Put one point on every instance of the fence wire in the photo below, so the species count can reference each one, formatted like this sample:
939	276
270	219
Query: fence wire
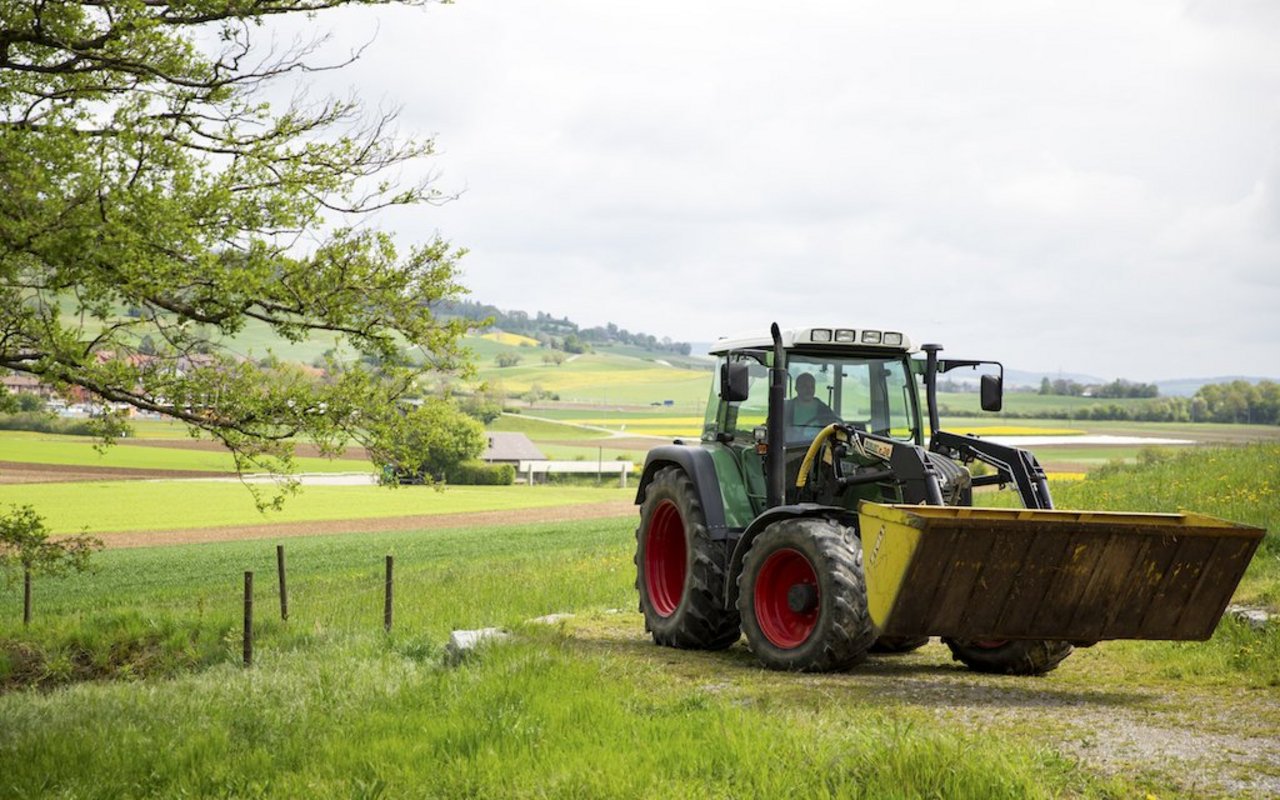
317	601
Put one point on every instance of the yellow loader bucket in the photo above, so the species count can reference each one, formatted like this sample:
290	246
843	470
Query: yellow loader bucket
1084	576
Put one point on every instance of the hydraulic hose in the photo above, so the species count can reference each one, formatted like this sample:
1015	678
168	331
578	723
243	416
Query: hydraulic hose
814	448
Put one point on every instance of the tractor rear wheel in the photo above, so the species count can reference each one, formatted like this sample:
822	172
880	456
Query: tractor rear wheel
1009	657
679	570
802	597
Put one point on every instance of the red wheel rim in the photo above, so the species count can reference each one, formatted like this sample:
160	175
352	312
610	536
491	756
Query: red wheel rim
782	625
665	557
990	644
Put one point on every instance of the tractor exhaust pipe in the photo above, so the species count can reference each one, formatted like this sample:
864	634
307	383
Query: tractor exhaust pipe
776	459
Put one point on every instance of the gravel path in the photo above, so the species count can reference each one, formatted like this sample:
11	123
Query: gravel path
1211	742
23	472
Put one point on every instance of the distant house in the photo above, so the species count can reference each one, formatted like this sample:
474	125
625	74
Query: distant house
28	384
510	448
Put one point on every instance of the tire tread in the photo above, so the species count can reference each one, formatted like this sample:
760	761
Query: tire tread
700	621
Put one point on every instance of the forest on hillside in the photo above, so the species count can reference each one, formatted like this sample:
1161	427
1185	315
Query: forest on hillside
559	333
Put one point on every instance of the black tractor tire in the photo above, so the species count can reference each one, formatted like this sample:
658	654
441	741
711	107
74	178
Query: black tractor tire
680	572
889	645
1012	657
803	599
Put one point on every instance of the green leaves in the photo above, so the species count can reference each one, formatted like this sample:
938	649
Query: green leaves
25	546
154	205
431	438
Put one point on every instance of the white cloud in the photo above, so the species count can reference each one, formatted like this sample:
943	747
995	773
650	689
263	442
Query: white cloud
1087	186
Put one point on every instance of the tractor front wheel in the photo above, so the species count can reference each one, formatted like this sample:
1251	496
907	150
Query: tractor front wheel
679	571
1009	657
802	597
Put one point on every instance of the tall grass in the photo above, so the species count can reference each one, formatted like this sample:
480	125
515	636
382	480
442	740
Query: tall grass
156	611
534	719
1241	484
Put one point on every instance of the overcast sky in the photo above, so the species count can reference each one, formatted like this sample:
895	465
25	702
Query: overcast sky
1092	187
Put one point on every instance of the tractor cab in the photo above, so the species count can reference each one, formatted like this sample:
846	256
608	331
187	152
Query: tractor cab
858	377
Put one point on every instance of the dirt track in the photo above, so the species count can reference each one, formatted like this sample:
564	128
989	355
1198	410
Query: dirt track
614	508
301	449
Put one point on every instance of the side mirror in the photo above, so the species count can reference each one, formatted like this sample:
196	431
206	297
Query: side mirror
734	381
991	393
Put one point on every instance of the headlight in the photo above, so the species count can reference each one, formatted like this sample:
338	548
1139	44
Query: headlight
845	335
820	335
871	337
894	339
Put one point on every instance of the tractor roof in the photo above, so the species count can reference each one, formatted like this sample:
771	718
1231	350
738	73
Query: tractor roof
834	338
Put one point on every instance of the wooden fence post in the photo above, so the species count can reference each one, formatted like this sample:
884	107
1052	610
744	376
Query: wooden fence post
284	593
26	597
248	619
386	608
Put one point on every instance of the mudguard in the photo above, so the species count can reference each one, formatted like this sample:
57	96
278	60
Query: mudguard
842	515
697	463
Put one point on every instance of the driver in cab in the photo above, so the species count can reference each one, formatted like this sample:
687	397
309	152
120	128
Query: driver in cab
805	414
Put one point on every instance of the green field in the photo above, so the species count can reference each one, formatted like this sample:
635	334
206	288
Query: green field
336	708
40	448
128	685
543	430
694	361
164	505
1032	403
604	379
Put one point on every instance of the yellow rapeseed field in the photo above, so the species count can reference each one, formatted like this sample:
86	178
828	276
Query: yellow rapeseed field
1019	430
509	339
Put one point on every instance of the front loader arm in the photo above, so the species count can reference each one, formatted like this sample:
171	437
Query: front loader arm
1012	465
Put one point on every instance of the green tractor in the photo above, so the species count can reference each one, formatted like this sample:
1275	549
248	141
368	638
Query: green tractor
819	516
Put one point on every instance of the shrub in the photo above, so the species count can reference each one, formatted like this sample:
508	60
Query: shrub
430	439
29	402
43	422
484	407
478	473
1151	456
25	549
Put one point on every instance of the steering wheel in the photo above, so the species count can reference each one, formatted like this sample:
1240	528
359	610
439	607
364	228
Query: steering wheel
828	449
